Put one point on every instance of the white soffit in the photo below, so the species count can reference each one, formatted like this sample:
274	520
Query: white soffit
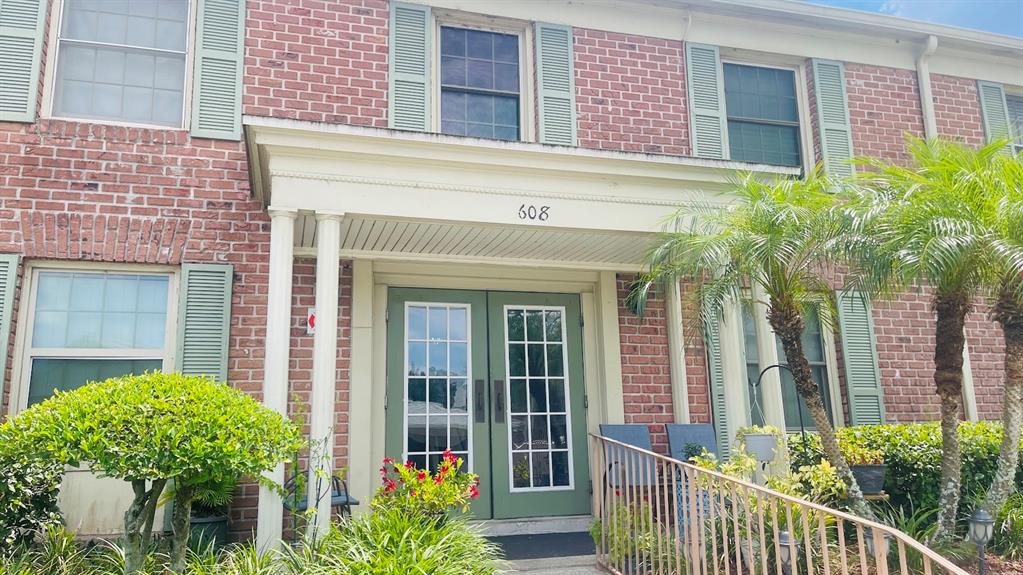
388	238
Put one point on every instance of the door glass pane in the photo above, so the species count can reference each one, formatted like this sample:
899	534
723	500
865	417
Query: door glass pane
437	364
540	422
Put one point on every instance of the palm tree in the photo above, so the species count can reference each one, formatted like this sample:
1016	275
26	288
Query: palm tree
775	236
1005	181
929	224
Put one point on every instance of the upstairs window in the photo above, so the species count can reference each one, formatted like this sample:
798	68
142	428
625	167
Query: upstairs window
763	115
480	83
122	60
1015	107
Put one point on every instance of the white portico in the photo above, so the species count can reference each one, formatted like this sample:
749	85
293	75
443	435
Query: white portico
416	210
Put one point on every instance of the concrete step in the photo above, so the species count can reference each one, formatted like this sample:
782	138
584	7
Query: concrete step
575	565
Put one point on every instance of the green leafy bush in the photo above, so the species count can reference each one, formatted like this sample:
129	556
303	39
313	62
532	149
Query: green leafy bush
1008	540
151	429
28	495
913	455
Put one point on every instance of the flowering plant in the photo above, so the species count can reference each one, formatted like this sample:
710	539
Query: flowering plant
414	489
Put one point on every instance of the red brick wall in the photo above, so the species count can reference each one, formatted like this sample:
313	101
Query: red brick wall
630	93
317	60
884	104
697	382
987	362
646	370
957	108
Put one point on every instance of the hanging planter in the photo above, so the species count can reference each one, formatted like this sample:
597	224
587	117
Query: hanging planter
760	441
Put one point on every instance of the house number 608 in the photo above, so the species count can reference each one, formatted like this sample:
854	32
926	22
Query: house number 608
531	212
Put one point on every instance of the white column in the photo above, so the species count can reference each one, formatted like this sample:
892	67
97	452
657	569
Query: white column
733	367
360	396
322	400
269	523
677	351
611	347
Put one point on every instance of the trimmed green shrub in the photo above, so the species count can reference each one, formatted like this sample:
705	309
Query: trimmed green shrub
913	455
151	429
28	495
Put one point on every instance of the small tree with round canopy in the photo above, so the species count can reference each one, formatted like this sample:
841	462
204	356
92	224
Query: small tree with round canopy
776	237
151	429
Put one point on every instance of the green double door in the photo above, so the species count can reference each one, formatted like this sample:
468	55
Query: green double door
497	378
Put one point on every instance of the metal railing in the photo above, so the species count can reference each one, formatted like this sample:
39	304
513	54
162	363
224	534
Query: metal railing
660	516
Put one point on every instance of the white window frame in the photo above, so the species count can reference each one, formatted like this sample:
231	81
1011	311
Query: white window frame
798	67
470	392
1015	131
520	28
769	356
24	352
568	404
50	75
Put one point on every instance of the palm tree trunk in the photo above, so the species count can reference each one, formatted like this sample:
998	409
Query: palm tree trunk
788	324
1008	312
951	310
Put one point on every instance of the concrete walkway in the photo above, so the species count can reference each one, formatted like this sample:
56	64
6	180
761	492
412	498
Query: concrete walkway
580	565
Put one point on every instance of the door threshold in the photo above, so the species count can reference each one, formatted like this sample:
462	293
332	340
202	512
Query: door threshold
534	525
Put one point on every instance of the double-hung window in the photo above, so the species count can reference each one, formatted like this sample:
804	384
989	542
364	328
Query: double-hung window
1015	107
763	114
88	326
796	415
480	83
122	60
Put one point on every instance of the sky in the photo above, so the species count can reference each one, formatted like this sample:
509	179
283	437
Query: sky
1000	16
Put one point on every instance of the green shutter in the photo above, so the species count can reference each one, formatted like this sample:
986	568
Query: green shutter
833	117
204	319
217	80
410	55
555	78
859	354
994	110
716	377
8	283
21	44
706	88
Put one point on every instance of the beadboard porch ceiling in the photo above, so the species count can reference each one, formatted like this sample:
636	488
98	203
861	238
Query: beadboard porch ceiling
392	238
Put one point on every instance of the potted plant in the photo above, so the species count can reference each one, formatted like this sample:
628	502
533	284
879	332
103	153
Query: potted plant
868	467
210	506
760	441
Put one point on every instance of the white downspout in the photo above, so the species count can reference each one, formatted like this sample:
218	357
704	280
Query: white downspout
923	75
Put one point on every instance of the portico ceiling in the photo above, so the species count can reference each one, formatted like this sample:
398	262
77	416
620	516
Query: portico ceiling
391	238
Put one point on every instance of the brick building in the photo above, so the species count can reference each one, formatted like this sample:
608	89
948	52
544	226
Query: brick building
461	192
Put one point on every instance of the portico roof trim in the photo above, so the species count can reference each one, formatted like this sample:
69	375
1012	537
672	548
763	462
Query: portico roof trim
268	138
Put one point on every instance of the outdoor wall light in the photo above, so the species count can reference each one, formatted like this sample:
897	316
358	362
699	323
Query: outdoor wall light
787	548
982	528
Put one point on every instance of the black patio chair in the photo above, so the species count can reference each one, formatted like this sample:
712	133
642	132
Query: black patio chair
297	503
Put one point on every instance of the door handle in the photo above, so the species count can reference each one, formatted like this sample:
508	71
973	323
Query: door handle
479	403
498	401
